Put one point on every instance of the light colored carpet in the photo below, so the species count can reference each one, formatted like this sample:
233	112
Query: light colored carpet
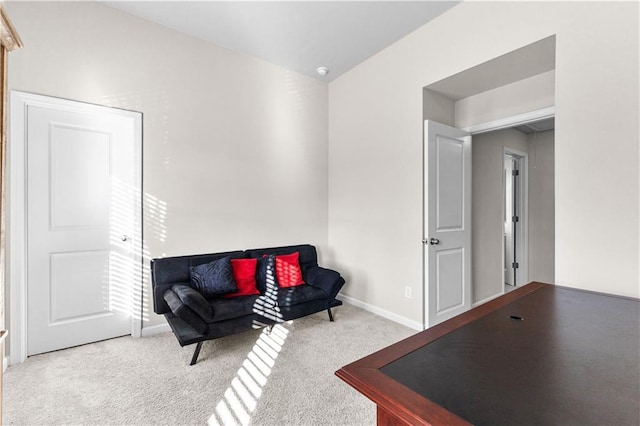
285	378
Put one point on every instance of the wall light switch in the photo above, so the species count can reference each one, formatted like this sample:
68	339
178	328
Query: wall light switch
407	292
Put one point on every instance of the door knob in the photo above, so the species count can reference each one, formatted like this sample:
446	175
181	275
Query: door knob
125	238
434	241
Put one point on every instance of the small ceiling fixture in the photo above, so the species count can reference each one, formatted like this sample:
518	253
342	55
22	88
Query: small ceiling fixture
322	70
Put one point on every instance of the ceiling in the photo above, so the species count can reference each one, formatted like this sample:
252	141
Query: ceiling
297	35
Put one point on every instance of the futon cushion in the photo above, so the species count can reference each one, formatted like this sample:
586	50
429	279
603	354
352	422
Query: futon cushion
236	307
185	313
244	273
288	270
213	278
194	300
299	294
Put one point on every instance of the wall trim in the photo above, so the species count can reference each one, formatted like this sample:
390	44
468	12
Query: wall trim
511	121
155	329
16	241
381	312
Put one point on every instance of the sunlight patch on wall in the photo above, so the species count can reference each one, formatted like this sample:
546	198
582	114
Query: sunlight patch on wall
125	268
129	255
154	215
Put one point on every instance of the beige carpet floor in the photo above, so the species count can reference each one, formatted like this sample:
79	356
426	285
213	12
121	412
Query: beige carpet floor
283	378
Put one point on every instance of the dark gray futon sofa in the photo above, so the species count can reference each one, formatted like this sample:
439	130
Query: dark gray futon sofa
195	318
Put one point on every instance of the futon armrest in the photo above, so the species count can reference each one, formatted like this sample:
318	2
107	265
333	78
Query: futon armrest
184	312
195	300
327	280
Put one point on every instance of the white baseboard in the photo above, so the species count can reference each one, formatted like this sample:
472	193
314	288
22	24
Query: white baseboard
155	329
381	312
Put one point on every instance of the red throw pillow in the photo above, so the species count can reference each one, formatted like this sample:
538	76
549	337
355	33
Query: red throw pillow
244	272
288	270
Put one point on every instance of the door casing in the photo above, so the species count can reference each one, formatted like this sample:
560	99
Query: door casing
522	230
17	235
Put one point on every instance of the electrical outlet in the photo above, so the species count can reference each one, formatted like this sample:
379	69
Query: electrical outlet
407	292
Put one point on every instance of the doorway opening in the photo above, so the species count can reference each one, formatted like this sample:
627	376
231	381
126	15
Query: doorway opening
513	228
498	96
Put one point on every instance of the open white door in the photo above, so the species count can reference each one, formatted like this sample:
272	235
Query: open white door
447	222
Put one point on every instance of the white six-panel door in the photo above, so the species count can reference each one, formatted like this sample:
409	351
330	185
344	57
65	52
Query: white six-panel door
82	223
447	224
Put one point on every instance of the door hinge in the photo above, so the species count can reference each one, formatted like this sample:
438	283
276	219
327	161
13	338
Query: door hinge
515	219
515	172
515	265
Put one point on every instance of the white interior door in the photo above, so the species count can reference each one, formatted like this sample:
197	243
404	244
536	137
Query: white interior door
83	224
447	224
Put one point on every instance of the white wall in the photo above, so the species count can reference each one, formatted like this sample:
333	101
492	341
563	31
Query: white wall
541	207
375	144
529	94
487	224
235	149
205	106
438	107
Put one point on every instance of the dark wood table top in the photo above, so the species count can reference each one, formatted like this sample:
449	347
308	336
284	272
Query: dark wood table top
540	355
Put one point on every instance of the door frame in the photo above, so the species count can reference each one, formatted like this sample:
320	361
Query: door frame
511	121
522	231
500	124
17	213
